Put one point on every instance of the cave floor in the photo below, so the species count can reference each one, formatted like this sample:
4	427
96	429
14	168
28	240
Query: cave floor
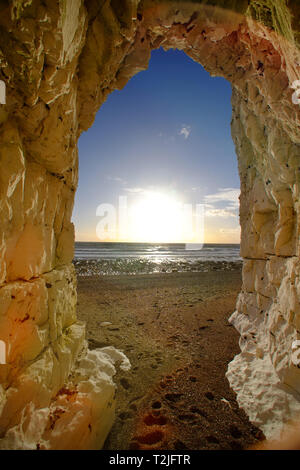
174	329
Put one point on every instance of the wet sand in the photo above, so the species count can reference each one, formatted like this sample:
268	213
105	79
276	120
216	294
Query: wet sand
174	329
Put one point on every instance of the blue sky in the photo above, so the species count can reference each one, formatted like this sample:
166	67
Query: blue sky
167	131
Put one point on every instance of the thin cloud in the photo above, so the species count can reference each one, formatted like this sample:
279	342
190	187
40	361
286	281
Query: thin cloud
229	195
220	213
224	203
134	190
185	131
117	179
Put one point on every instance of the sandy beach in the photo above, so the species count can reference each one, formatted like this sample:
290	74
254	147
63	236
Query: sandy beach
174	329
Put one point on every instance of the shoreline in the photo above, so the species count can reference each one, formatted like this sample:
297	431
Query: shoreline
145	266
173	328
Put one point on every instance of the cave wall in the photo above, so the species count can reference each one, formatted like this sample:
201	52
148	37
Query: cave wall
59	61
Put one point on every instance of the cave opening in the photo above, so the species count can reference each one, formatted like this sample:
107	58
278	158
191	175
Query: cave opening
167	132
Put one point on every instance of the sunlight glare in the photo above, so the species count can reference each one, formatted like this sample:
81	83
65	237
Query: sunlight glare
157	218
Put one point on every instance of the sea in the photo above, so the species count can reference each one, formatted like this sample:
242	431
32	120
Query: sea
144	258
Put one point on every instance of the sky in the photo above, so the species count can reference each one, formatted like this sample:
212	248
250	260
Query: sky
162	144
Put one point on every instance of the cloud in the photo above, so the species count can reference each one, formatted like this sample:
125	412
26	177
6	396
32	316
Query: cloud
220	213
229	195
224	203
134	190
117	179
185	131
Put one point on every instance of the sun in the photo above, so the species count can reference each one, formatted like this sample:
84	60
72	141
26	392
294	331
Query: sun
157	218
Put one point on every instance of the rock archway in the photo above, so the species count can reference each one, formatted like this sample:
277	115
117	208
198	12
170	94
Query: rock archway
59	61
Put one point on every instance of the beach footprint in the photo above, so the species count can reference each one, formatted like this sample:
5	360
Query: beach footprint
153	432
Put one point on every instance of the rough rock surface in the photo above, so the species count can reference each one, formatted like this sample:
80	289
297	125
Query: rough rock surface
59	61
